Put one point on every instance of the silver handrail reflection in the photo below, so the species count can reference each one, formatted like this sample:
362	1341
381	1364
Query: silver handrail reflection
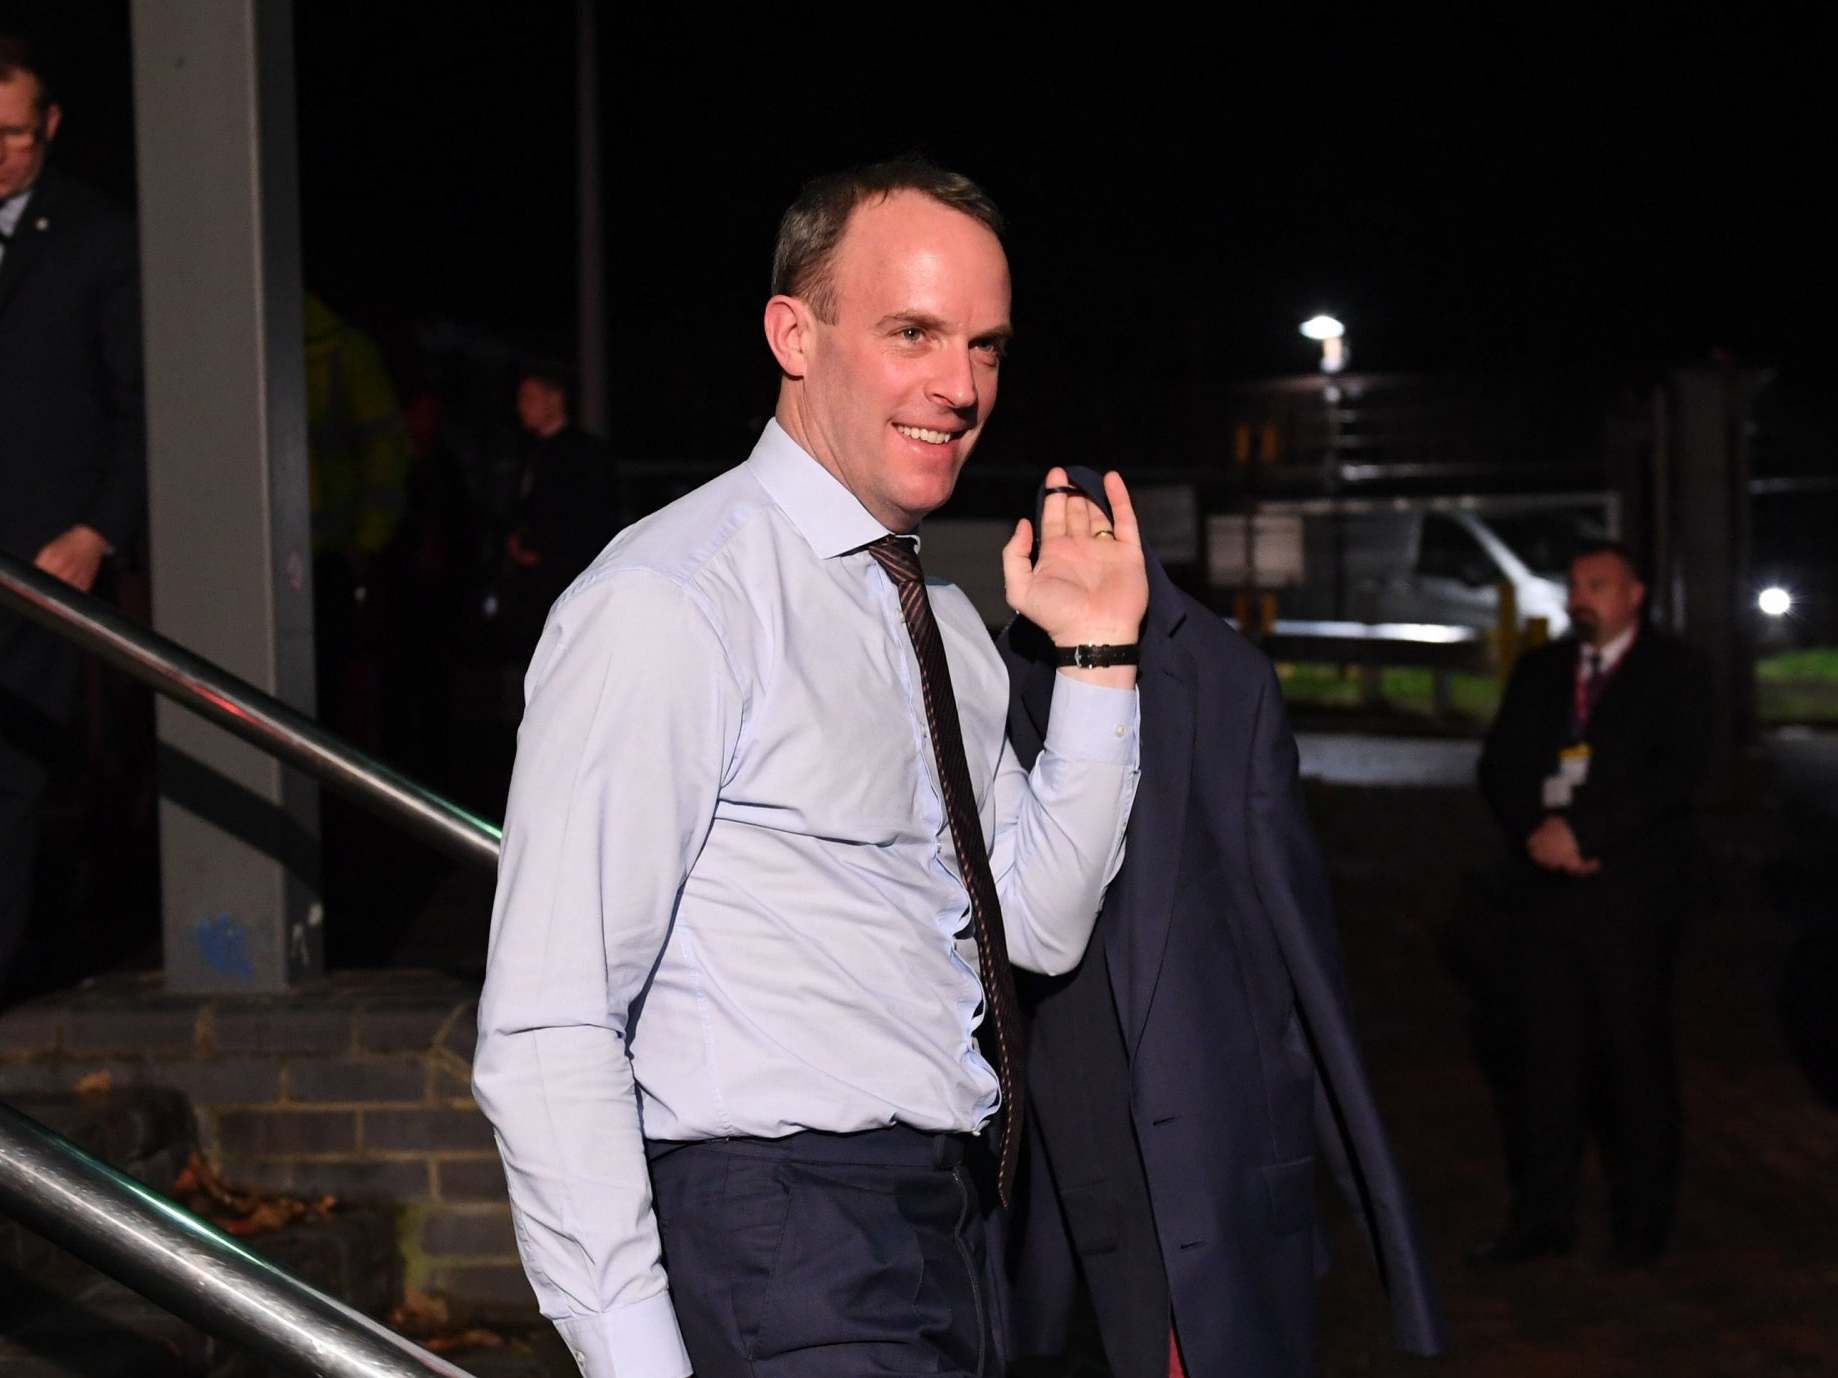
195	1271
238	706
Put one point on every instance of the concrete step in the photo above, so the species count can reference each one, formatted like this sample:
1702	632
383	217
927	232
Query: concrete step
146	1132
105	1331
59	1318
103	1328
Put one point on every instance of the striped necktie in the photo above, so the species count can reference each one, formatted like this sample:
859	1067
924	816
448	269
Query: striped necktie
1589	686
900	558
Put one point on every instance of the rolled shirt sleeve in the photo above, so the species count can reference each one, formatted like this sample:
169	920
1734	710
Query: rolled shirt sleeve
1059	830
632	716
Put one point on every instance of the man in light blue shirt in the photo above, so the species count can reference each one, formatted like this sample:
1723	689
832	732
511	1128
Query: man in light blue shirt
762	810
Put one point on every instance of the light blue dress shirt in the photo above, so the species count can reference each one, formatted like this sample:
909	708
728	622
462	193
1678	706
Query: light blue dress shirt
728	902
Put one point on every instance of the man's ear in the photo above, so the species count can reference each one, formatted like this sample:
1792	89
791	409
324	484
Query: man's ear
789	326
54	116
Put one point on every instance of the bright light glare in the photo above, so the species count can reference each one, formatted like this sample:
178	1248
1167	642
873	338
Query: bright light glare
1776	602
1323	328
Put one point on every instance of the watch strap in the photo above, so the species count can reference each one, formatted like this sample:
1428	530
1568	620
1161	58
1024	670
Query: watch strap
1097	657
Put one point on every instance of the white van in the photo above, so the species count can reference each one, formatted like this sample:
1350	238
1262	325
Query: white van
1439	561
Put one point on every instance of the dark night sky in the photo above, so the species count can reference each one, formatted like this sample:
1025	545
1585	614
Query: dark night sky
1169	224
1459	199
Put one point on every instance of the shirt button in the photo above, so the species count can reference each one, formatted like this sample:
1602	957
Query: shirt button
1119	730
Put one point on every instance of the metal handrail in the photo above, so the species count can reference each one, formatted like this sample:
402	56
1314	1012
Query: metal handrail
195	1271
239	707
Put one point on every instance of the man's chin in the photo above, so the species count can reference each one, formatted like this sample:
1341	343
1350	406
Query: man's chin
917	507
927	495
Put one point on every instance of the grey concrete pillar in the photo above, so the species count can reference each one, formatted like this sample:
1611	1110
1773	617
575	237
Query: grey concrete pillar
226	452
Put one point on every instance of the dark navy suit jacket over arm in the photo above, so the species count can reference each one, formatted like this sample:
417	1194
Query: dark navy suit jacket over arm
1243	1067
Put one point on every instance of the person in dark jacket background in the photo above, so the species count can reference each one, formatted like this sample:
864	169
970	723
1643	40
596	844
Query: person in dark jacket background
72	439
1590	767
1185	1079
567	503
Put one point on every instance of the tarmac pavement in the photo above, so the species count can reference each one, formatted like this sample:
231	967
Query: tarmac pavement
1750	1287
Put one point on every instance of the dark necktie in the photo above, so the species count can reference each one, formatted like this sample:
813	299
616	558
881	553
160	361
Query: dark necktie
1589	690
900	558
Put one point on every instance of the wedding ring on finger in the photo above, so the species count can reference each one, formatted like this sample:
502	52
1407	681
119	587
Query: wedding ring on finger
1104	533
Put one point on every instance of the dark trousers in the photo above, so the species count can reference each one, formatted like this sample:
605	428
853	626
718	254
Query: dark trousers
1478	945
1595	981
1079	1084
831	1255
38	677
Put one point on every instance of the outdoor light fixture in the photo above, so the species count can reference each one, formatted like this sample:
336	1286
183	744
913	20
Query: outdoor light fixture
1333	337
1775	601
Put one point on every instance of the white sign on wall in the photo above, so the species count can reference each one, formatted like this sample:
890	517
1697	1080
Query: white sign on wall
1274	547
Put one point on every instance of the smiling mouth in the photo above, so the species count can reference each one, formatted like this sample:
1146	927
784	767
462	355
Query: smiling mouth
920	433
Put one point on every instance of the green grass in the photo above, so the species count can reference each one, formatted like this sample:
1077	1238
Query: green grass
1407	690
1798	686
1790	687
1816	665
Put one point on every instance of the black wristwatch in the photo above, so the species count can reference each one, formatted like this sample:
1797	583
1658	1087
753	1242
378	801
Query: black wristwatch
1097	657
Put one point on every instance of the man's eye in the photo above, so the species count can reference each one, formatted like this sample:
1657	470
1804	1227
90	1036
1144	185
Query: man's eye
912	334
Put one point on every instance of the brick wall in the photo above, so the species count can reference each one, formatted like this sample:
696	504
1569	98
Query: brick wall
358	1086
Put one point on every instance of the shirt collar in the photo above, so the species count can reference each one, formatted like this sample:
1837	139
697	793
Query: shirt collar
829	517
1610	655
13	209
1614	650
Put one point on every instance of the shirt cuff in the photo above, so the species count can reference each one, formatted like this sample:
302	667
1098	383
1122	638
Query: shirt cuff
1091	722
637	1341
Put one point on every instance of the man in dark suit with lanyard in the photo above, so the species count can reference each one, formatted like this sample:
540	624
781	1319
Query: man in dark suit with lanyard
72	438
1186	1079
1590	767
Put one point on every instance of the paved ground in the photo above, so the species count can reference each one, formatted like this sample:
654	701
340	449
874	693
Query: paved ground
1752	1286
1353	758
1751	1290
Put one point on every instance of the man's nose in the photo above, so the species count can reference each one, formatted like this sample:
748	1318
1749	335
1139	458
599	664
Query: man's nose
954	381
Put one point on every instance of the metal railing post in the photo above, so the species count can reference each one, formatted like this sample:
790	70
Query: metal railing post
239	707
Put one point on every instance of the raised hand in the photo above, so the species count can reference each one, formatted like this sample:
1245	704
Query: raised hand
1088	585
